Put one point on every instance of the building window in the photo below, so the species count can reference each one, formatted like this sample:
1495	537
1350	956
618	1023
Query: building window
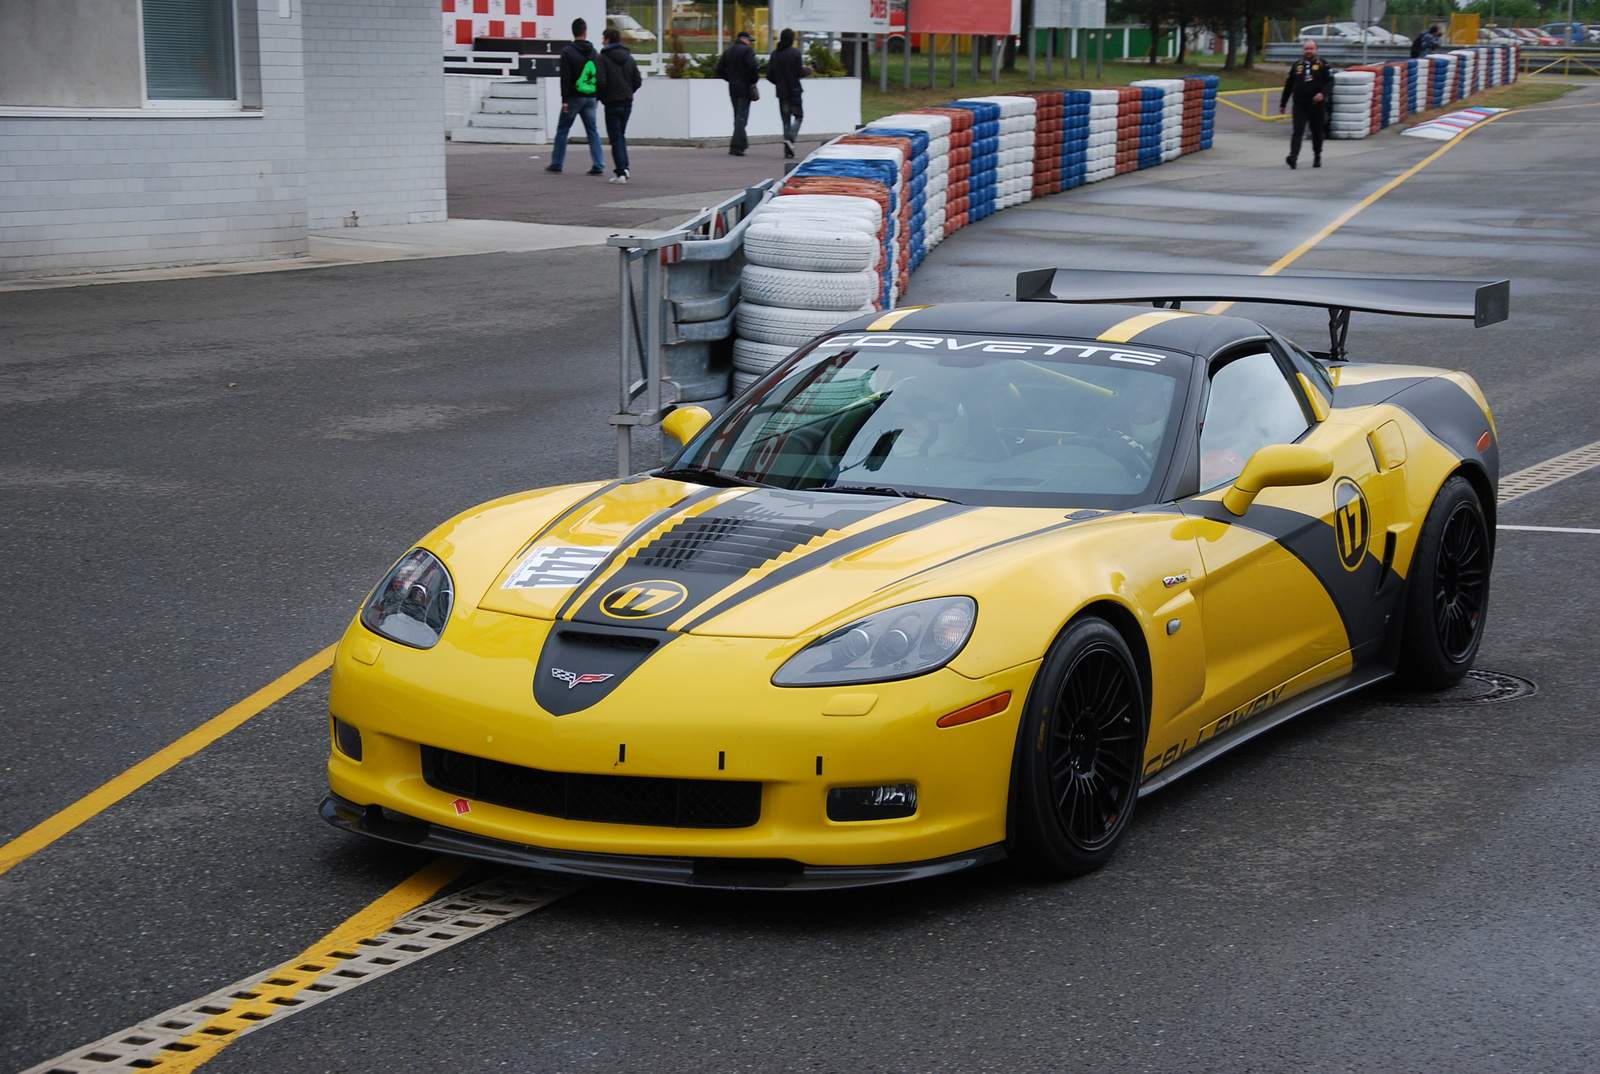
189	50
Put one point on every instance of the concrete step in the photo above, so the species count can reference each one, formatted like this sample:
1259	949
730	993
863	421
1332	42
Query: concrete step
511	106
493	119
512	90
498	136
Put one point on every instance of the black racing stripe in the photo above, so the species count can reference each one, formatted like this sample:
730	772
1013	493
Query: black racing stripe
1052	528
634	534
1364	597
569	512
1452	415
700	557
829	554
1372	392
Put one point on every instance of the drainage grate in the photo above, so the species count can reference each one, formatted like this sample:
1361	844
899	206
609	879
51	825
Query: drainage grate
1550	471
1478	688
172	1038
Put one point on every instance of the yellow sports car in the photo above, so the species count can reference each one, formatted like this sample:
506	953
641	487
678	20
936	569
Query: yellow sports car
948	585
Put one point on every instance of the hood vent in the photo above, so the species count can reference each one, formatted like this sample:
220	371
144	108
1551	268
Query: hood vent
724	545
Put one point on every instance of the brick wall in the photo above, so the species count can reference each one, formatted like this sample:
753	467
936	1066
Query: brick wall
374	112
100	192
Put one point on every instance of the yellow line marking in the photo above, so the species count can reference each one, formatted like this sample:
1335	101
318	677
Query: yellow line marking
319	958
892	318
1345	217
119	787
1126	330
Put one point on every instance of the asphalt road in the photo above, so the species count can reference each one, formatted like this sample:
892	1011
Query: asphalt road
1382	885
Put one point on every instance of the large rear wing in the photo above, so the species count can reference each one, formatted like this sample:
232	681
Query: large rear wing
1481	302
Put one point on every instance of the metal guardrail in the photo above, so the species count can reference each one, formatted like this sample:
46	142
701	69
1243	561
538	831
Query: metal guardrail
1552	63
1338	53
673	333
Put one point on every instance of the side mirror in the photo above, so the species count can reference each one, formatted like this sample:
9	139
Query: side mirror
684	422
1277	465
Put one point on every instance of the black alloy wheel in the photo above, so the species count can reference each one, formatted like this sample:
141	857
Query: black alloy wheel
1447	598
1079	753
1460	581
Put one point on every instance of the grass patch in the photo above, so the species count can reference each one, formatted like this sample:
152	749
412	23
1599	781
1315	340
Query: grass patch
875	105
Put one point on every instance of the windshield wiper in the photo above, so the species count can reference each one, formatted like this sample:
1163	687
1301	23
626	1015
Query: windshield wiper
701	476
881	490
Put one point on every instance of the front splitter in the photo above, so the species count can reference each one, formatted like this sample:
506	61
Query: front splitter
738	874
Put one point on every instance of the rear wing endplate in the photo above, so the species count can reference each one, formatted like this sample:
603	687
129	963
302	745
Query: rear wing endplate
1482	302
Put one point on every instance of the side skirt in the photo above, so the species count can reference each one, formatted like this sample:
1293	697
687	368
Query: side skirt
1282	712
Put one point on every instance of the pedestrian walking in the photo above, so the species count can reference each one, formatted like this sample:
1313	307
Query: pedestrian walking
785	68
583	79
737	67
622	79
1310	84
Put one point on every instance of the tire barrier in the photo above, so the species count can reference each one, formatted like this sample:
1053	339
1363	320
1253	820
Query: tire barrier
1368	98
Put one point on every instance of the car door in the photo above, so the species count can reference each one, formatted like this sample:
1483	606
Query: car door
1289	585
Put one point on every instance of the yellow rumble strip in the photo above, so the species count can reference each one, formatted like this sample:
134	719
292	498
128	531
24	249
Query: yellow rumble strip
1122	333
369	945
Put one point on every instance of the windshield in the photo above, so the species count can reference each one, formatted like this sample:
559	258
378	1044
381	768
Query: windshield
1009	421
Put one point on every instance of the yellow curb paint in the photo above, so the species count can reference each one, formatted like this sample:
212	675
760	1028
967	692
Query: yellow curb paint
119	787
296	974
1345	217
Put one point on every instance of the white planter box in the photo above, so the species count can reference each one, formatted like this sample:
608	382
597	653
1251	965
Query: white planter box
692	109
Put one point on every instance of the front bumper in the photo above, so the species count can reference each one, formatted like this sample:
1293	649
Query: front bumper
739	874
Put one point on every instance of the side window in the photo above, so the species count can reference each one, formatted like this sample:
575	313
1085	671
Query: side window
1250	406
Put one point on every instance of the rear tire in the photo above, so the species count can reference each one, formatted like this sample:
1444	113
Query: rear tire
1080	753
1447	595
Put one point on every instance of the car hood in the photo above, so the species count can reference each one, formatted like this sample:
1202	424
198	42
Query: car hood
655	554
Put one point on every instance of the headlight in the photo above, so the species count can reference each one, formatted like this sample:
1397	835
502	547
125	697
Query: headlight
413	603
912	639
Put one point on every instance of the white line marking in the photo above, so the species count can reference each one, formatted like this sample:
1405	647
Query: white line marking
1548	529
1550	471
429	928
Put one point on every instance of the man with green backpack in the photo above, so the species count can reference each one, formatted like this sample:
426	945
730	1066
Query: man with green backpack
583	79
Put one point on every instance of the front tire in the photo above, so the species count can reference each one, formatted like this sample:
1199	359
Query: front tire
1447	596
1080	751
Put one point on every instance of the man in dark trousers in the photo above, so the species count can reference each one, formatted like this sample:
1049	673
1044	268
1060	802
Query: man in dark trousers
622	78
737	67
583	79
1310	83
785	69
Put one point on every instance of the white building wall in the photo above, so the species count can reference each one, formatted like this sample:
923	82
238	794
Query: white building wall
375	112
105	190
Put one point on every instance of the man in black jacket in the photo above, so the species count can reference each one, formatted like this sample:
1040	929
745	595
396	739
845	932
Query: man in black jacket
1310	83
622	78
583	79
785	70
737	68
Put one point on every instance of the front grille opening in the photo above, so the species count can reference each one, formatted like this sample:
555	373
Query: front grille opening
647	800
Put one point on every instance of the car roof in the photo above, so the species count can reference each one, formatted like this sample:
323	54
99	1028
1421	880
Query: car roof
1185	331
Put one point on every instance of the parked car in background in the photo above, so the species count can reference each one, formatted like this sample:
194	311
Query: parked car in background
632	32
1530	36
1345	32
1497	35
1377	35
1559	30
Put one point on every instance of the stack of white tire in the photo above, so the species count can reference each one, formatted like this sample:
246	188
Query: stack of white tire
811	262
1102	151
938	128
1014	174
1421	83
1466	73
1352	104
899	240
1171	114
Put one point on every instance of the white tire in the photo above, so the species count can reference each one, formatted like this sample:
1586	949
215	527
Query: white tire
788	327
809	249
752	357
794	289
742	380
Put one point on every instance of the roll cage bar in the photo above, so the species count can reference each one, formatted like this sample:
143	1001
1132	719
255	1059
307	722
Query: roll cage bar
1482	302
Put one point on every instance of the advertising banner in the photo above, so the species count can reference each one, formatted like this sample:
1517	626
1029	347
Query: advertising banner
1069	14
966	17
831	16
536	19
